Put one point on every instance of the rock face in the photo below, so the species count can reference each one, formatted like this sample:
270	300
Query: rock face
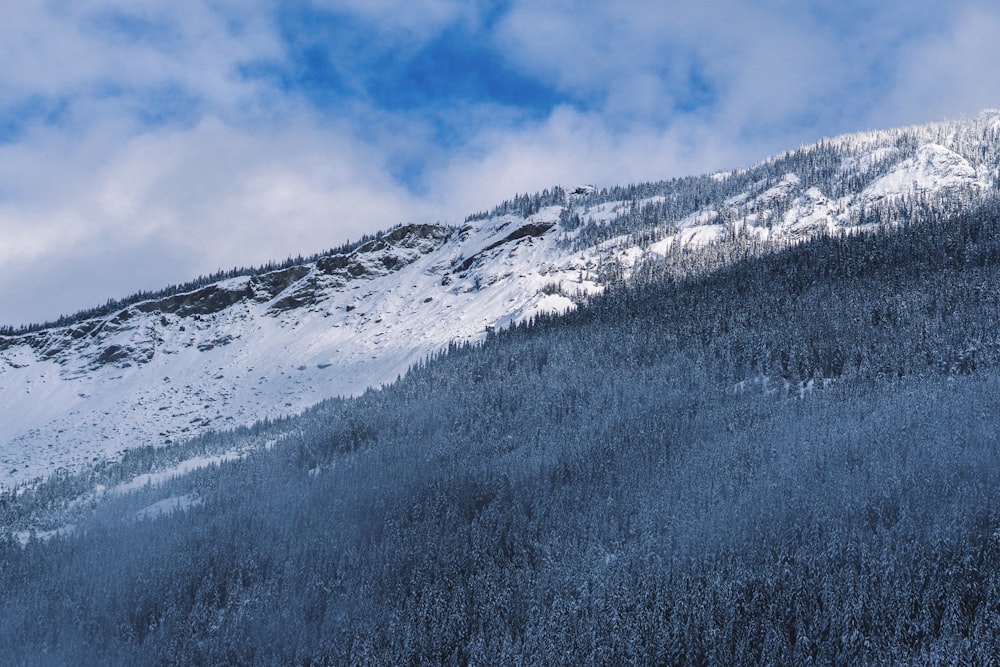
274	343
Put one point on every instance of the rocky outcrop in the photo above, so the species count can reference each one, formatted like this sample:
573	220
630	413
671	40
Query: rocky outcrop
525	231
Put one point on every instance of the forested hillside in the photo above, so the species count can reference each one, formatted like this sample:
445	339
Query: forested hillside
738	456
245	345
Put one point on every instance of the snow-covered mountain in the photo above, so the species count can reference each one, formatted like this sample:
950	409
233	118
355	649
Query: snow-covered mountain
272	343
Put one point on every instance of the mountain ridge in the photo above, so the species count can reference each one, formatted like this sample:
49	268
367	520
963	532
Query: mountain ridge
273	343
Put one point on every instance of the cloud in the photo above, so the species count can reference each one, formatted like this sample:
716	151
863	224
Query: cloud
212	194
949	75
571	148
418	19
129	60
773	70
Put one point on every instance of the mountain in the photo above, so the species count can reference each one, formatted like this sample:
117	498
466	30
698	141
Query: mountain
268	344
755	442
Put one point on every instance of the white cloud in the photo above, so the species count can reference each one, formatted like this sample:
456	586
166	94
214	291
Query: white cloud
773	68
419	19
949	75
572	148
215	195
76	52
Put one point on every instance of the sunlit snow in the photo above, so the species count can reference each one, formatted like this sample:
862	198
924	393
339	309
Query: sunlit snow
273	345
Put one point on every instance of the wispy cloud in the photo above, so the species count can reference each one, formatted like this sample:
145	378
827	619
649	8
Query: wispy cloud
143	143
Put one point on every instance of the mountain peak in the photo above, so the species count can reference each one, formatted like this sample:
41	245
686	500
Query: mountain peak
273	342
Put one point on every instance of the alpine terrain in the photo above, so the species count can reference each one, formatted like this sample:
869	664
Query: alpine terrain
743	418
268	343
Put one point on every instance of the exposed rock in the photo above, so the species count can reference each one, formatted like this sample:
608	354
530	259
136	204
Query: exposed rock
378	257
529	230
205	301
113	353
269	285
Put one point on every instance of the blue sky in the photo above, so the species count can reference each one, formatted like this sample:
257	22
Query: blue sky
145	143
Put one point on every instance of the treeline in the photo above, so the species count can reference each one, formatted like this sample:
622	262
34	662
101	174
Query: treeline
524	205
114	305
837	167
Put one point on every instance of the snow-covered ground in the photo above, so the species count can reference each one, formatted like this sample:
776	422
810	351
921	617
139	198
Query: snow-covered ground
69	398
272	345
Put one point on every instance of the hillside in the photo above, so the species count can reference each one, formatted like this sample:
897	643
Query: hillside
164	368
743	456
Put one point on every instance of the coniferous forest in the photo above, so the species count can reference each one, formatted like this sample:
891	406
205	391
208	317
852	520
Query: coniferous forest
740	456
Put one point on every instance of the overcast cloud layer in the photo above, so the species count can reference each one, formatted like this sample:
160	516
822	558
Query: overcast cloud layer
145	143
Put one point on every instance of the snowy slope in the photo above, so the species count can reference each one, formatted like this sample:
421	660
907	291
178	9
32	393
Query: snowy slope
272	344
242	350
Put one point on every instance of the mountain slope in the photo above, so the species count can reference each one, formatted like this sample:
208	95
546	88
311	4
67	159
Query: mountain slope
270	344
261	346
790	459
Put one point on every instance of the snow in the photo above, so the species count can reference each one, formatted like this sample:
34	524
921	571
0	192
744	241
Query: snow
700	218
782	190
544	304
247	362
605	212
608	211
701	235
868	160
159	478
167	506
694	237
812	213
148	376
23	536
934	168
